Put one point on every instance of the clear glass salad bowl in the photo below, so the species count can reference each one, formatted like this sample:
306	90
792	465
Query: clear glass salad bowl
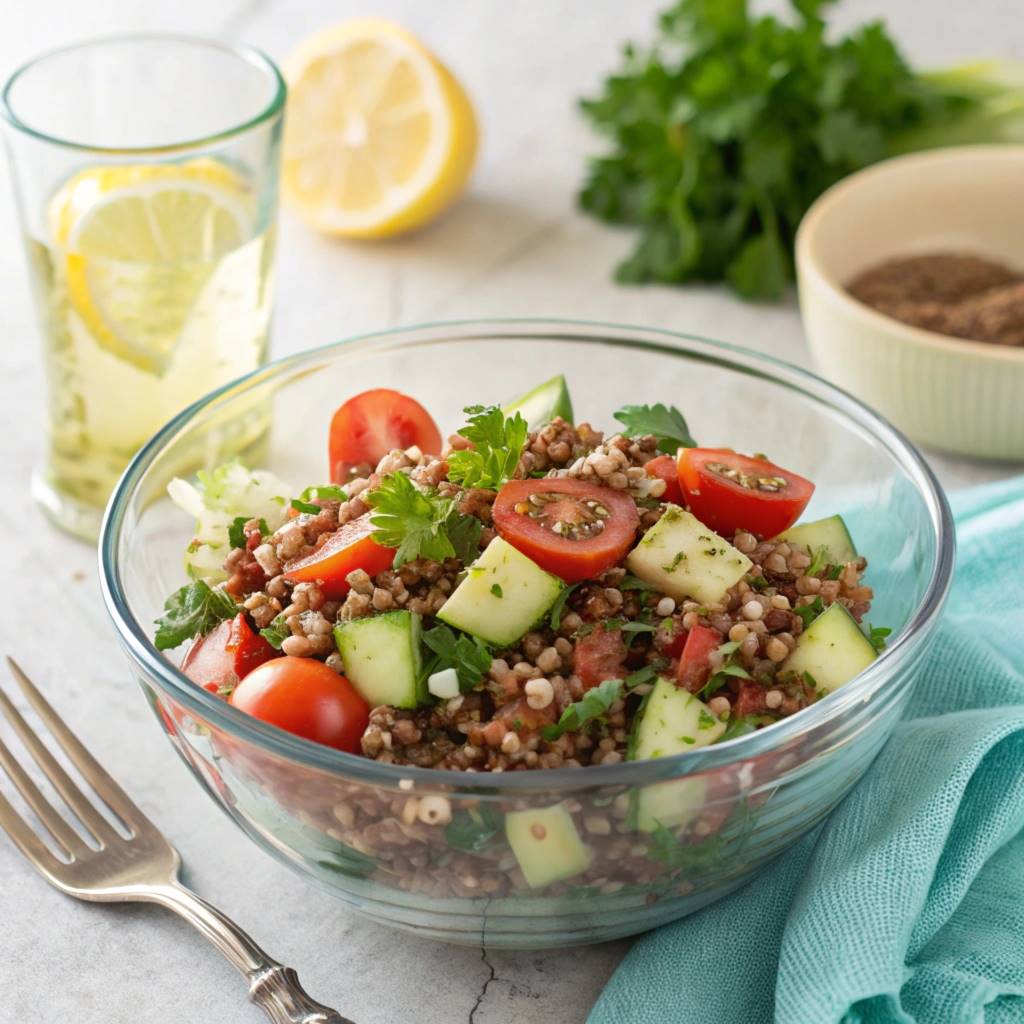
356	827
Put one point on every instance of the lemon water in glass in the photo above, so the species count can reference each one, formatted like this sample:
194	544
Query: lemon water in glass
147	195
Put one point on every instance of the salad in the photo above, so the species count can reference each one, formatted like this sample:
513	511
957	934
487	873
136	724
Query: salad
531	593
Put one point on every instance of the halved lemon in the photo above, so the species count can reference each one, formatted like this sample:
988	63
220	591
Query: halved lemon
379	138
141	243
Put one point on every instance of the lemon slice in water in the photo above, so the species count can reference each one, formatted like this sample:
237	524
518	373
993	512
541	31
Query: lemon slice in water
379	137
142	242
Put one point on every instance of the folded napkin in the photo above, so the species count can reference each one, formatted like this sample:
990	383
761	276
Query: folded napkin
907	904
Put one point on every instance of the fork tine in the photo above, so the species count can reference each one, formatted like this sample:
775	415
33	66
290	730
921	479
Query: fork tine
65	836
25	838
110	792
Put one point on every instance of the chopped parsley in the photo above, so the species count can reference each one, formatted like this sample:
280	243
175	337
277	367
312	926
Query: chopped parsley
498	442
757	583
666	423
468	655
472	830
647	674
305	506
496	590
706	720
324	492
630	582
594	704
877	636
421	524
558	608
809	612
236	531
730	667
193	610
834	572
276	633
819	562
674	564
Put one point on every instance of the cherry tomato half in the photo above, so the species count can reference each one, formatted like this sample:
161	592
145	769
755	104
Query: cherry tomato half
731	492
350	547
374	423
694	665
664	468
228	653
573	529
303	696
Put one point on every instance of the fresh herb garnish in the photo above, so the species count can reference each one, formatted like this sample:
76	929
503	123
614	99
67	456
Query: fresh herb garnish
630	582
468	655
236	531
472	830
324	492
674	564
809	612
276	633
741	726
725	131
497	444
706	720
420	524
496	590
593	705
558	608
818	562
647	674
757	583
666	423
877	635
192	611
730	667
305	506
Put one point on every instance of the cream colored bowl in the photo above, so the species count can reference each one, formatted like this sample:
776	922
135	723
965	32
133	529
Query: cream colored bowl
958	396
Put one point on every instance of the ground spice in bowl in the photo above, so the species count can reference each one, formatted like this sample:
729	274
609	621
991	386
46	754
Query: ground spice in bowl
955	293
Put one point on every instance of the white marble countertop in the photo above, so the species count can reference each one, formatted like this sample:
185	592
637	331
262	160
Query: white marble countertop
514	246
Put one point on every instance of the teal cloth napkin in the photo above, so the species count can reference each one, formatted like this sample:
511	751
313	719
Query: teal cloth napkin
907	904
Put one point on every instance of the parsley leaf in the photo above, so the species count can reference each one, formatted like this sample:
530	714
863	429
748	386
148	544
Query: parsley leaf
630	582
558	608
305	506
496	590
877	635
472	830
594	703
819	562
324	492
236	531
498	442
717	680
420	524
192	611
809	612
468	655
276	633
667	424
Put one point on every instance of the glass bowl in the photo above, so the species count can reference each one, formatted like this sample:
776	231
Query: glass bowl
355	827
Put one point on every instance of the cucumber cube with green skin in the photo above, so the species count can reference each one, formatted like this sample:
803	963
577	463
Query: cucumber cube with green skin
503	594
671	721
543	403
830	533
832	649
547	845
383	659
684	558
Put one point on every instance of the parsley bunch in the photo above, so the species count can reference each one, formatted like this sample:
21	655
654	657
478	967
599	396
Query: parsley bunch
421	524
730	125
497	444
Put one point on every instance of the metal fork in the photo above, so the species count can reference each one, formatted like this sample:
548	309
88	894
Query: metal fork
143	868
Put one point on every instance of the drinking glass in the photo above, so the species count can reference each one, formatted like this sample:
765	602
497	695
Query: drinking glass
145	171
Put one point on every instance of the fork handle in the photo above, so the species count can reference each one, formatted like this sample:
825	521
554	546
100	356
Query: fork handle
272	986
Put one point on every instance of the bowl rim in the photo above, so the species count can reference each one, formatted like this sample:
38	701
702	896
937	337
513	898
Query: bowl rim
210	708
846	191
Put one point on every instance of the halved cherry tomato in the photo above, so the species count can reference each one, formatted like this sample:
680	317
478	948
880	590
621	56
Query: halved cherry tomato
303	696
694	666
228	653
573	529
374	423
598	656
750	699
521	718
664	468
350	547
731	492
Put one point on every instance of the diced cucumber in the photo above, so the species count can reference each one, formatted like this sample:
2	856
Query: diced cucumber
543	403
684	558
382	658
546	844
832	649
830	534
671	720
503	595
